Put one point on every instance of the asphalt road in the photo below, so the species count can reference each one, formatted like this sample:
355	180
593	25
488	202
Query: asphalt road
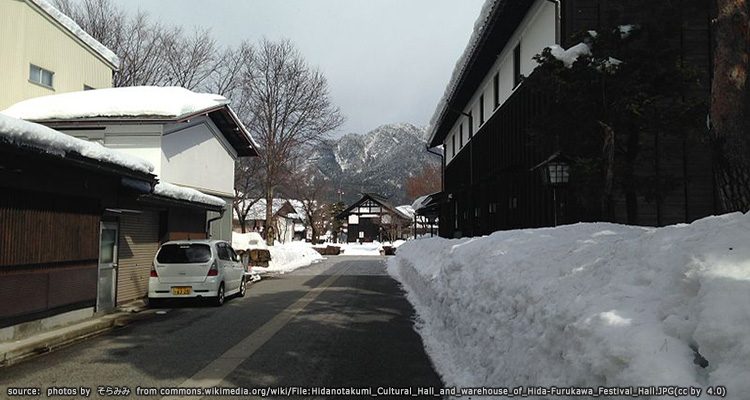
341	324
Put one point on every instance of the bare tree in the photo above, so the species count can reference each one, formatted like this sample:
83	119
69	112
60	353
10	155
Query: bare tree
189	59
730	103
248	188
310	188
426	181
288	109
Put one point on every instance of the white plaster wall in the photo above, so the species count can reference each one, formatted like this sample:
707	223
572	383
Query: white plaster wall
197	156
536	31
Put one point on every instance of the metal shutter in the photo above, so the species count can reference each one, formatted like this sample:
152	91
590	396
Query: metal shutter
139	241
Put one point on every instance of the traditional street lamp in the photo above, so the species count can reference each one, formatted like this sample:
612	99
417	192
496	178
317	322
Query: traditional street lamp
555	172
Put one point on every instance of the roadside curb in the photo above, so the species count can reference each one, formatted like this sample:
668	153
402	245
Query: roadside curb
45	342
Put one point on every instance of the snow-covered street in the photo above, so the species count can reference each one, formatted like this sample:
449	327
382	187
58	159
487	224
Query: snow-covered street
587	305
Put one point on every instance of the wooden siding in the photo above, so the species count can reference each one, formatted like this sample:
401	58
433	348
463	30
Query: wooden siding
138	244
184	224
39	228
48	254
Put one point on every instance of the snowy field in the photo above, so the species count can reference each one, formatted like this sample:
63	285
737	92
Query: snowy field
587	305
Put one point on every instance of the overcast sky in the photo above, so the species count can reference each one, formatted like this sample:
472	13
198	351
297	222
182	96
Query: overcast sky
386	60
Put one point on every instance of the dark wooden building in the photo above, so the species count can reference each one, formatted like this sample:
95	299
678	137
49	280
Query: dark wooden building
492	168
373	218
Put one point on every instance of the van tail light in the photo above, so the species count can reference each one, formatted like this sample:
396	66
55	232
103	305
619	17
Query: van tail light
214	270
153	272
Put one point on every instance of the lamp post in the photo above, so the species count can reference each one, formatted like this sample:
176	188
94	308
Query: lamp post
556	173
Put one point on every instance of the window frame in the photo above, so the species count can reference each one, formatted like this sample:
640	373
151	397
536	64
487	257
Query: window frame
40	71
517	65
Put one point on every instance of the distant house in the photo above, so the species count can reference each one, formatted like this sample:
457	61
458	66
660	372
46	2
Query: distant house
288	216
492	170
44	52
373	218
192	139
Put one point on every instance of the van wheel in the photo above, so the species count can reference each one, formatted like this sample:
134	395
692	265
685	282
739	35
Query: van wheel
243	289
219	299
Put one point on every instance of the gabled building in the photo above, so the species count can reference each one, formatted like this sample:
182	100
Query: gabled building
491	167
373	218
287	214
192	139
43	52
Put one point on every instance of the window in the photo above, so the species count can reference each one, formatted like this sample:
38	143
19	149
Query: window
461	135
184	254
517	65
41	76
471	124
481	109
222	251
453	147
496	90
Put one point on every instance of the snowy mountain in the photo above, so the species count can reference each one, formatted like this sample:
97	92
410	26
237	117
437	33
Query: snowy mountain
379	161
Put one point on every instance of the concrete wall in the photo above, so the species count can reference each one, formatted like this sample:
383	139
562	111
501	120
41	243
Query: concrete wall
536	31
29	36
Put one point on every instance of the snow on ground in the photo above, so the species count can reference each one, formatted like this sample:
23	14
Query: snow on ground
587	305
135	101
361	249
28	134
287	257
247	241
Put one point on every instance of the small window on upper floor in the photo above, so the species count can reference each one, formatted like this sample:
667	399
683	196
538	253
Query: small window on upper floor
517	65
481	109
471	123
461	135
41	76
496	90
87	87
453	145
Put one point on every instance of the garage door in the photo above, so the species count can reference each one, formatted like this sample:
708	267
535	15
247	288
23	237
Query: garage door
139	241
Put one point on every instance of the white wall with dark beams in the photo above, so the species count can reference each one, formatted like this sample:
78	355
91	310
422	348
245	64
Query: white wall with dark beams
536	32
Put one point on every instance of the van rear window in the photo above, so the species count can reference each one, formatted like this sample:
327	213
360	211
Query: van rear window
184	254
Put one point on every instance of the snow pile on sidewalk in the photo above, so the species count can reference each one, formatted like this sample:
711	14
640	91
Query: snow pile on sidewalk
587	305
287	257
361	249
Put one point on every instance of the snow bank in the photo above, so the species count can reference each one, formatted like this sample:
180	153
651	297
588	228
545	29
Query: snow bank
287	257
135	101
76	30
247	241
587	305
363	249
166	189
27	134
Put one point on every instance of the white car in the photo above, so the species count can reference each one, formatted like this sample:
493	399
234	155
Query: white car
196	269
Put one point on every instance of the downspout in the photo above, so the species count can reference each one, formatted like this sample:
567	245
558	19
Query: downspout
442	165
558	18
210	221
471	164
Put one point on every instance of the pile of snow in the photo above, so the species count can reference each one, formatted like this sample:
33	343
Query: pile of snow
27	134
247	241
361	249
135	101
76	30
587	305
166	189
286	257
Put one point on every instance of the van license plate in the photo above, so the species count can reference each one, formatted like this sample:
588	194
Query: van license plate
177	291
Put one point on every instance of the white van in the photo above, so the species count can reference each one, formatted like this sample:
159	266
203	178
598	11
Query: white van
196	269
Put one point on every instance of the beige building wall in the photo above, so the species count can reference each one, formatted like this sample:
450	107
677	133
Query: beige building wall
29	36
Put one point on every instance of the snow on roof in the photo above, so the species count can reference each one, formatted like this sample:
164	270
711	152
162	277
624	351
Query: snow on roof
136	101
406	210
420	202
76	30
166	189
462	63
258	209
28	134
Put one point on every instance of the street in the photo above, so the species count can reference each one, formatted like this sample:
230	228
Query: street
341	323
